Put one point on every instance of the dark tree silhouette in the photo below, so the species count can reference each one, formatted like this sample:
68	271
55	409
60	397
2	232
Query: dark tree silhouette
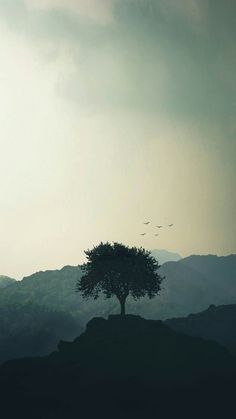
119	270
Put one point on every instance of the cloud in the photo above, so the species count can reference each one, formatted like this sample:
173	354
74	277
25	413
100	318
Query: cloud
149	97
99	11
148	55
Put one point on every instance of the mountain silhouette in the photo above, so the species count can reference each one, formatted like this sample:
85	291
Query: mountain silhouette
6	281
32	330
190	286
195	282
126	368
164	256
216	323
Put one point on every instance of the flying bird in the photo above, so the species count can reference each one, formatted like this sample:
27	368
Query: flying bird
148	222
170	225
159	226
142	234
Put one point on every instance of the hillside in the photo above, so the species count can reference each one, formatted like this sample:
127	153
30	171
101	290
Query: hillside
128	368
190	286
32	330
216	323
55	290
164	256
195	282
6	281
38	311
119	348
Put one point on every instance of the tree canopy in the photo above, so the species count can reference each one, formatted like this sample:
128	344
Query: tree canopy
119	270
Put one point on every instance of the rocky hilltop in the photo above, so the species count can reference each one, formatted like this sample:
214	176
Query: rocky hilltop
122	368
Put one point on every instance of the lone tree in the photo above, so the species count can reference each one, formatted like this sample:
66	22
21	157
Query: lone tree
119	270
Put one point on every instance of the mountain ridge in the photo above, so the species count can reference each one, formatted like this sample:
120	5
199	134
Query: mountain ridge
216	323
164	256
6	281
190	286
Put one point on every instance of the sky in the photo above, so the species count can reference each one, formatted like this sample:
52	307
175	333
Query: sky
113	113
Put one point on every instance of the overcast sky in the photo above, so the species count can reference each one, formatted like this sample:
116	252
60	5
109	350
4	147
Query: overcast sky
112	113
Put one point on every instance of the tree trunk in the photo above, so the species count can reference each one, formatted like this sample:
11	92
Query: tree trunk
122	307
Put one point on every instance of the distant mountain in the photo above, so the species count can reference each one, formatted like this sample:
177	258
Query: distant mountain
164	256
5	281
31	330
38	311
190	286
56	290
132	368
195	282
216	323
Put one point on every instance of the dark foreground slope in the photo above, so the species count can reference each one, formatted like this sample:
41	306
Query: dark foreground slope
217	323
122	368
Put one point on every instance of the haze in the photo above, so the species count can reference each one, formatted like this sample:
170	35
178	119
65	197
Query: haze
113	113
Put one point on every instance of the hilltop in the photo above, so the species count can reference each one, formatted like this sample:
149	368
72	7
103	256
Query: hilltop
164	256
127	368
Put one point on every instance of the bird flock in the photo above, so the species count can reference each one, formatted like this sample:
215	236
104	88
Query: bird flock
158	226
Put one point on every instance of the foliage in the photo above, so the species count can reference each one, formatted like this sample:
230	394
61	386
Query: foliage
118	270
